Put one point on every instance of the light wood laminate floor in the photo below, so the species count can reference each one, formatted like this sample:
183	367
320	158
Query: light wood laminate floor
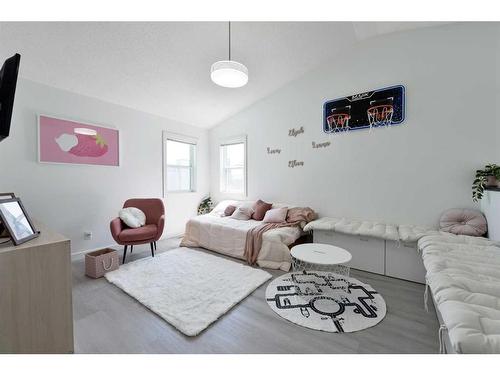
106	320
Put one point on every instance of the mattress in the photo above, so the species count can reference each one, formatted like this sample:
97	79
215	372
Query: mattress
463	274
227	236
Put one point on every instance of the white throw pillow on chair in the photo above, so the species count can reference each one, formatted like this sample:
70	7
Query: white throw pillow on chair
133	217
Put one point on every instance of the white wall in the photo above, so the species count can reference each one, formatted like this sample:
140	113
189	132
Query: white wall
75	198
406	174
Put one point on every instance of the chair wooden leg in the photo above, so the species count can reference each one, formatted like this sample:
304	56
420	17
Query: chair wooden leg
152	249
131	248
124	254
155	245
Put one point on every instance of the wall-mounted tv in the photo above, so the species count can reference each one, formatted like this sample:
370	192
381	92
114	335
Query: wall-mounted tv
8	80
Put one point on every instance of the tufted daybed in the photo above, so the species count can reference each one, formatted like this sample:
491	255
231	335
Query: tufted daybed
463	276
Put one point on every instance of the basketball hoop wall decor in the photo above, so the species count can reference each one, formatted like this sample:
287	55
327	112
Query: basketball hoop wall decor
372	109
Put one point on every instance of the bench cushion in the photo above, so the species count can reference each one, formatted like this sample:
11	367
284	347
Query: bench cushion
355	227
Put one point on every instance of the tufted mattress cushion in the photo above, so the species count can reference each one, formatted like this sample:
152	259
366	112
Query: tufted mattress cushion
463	274
412	233
355	227
463	221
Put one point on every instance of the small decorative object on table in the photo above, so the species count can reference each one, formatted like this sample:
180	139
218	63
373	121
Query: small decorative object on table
489	176
205	206
97	263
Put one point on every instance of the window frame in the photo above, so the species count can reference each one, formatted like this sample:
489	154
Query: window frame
242	139
168	136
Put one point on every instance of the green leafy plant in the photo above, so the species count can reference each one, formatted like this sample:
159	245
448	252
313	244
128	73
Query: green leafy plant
205	206
481	179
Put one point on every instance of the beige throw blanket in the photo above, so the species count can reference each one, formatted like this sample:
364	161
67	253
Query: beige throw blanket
295	216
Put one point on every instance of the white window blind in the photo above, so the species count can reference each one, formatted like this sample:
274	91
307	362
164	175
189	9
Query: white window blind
180	165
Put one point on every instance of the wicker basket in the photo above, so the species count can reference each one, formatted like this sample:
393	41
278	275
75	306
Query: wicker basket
97	263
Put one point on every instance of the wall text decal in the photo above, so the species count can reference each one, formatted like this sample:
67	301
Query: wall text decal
321	145
295	132
295	163
273	150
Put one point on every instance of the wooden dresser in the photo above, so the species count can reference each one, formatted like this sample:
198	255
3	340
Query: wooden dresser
36	312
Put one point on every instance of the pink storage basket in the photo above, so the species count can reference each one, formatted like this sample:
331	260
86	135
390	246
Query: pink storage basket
97	263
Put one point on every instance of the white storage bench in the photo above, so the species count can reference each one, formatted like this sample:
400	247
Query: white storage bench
375	247
368	253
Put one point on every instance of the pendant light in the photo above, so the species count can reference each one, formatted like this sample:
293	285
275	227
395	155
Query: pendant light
229	73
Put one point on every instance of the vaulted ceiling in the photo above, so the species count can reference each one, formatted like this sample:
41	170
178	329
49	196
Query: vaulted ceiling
164	68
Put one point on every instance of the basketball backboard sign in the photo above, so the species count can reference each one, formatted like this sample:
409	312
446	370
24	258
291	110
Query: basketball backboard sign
371	109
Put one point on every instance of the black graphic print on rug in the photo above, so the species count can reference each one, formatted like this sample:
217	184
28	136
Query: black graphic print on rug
312	299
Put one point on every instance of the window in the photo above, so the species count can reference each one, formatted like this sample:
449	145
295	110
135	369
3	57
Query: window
233	167
180	164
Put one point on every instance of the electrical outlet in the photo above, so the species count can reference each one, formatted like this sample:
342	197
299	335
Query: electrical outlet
87	235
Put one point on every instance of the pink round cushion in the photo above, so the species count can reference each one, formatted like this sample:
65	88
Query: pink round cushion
463	221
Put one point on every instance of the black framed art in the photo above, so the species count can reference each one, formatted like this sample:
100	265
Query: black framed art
372	109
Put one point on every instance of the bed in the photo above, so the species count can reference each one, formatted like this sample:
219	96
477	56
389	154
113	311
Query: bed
227	236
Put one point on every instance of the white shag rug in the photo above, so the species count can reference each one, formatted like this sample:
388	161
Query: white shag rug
188	288
311	299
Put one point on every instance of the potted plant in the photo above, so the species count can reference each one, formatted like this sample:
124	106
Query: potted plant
205	206
489	176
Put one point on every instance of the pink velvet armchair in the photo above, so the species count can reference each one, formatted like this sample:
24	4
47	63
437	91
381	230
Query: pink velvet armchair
149	233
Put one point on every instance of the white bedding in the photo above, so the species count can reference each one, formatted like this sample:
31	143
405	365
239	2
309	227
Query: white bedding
463	274
227	236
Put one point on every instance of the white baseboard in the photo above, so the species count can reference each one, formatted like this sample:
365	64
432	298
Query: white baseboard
81	254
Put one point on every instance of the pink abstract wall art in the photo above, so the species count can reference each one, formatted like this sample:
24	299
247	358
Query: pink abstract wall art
67	141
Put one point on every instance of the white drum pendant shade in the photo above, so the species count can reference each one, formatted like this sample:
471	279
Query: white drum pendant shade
229	73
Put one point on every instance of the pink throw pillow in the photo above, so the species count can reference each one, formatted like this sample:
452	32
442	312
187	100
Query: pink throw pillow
229	210
261	208
276	215
242	213
463	221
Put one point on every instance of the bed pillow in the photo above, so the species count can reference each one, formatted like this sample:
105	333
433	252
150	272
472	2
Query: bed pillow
261	208
276	215
132	217
463	221
242	213
229	210
222	205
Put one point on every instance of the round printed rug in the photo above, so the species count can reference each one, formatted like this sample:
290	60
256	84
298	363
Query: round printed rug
313	300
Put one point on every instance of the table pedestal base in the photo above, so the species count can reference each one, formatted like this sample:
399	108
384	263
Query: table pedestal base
340	271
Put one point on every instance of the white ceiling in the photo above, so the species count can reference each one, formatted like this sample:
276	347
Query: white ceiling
163	68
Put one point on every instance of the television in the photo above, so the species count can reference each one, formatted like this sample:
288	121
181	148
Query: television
8	80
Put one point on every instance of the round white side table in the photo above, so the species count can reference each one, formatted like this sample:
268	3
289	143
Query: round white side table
322	257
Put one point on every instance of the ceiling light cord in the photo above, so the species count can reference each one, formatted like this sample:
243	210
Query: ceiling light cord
229	73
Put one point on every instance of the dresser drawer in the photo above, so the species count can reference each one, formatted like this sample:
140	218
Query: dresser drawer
367	252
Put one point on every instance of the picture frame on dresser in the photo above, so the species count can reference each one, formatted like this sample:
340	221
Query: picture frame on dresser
3	230
17	221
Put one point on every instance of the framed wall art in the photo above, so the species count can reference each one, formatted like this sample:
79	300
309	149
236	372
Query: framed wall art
372	109
74	142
